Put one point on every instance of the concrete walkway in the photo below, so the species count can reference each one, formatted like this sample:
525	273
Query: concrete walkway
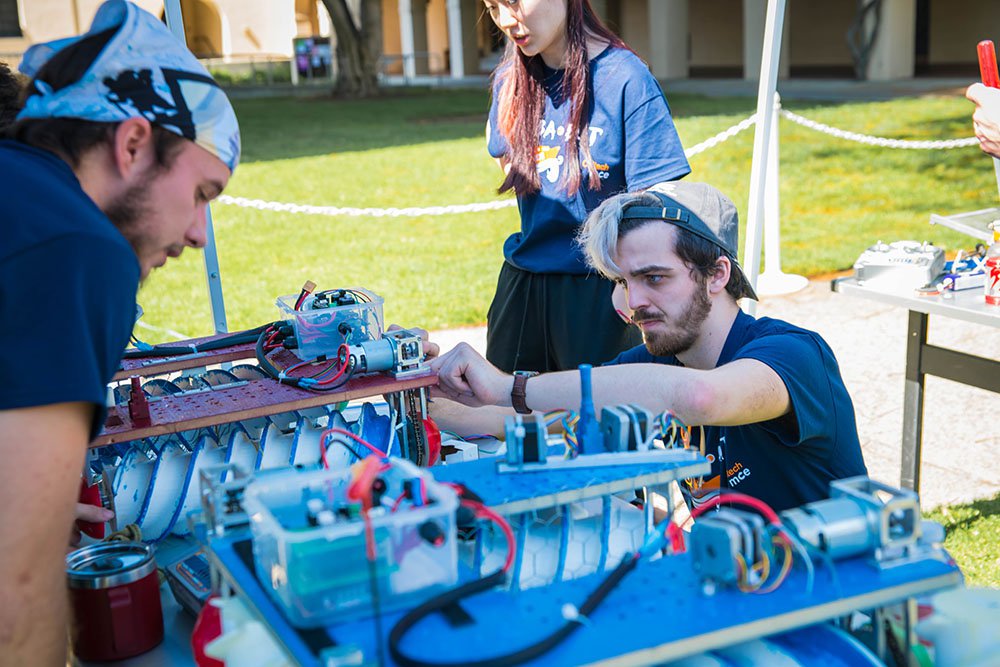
961	424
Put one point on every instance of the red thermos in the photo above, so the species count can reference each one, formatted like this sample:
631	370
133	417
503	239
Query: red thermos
115	595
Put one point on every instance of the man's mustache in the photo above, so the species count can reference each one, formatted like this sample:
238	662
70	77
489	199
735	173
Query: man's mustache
644	315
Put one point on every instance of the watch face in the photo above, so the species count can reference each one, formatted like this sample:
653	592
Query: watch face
526	374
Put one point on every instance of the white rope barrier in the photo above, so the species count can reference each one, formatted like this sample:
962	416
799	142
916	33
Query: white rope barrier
169	332
721	136
878	141
712	142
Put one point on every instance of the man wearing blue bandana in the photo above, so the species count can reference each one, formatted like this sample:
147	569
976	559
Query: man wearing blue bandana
107	171
772	413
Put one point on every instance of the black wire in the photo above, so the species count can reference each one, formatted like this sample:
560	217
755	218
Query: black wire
531	652
373	583
173	350
262	360
346	446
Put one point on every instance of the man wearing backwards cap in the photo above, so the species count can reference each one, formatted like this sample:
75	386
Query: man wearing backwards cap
107	171
777	422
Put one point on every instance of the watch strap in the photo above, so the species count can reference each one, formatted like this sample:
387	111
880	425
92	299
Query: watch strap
518	392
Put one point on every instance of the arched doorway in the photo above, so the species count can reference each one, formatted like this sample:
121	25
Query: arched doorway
202	28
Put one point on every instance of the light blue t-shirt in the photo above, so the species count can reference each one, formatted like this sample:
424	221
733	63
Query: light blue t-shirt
788	461
633	142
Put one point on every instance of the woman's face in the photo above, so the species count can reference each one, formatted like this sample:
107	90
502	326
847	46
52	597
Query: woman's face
538	27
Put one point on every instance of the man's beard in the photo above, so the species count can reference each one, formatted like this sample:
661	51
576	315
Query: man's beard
129	213
685	330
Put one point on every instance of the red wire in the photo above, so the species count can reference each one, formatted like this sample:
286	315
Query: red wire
400	499
302	297
323	371
484	512
370	550
375	450
739	499
343	367
361	490
298	365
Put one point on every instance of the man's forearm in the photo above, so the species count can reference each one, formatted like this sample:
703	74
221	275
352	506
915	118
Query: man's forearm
45	447
33	621
652	386
465	421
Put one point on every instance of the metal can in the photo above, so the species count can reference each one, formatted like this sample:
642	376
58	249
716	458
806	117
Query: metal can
115	597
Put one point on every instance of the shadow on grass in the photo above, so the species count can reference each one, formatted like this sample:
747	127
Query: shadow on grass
962	517
288	128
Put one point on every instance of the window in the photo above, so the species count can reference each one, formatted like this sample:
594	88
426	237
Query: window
10	25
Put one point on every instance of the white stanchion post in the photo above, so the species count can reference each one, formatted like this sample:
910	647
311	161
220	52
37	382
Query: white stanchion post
773	281
766	89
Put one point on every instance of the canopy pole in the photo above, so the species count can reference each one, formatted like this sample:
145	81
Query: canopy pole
175	22
762	143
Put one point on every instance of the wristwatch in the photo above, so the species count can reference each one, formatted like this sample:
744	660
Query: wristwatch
517	392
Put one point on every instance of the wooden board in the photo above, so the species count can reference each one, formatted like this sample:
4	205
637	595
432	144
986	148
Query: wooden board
172	414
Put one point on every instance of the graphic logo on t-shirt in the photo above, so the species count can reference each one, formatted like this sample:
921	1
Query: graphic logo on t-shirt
548	158
737	474
700	490
549	161
603	170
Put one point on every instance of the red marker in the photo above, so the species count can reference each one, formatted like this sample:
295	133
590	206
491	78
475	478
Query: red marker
988	63
988	71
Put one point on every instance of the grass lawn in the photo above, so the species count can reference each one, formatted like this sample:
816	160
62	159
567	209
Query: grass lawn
423	149
973	533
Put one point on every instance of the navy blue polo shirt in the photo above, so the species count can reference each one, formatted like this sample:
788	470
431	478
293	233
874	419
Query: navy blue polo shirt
68	281
791	460
633	143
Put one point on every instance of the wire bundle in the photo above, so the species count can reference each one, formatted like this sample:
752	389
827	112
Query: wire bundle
568	420
752	578
145	350
333	375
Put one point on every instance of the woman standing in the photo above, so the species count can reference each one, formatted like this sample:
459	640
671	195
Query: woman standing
576	117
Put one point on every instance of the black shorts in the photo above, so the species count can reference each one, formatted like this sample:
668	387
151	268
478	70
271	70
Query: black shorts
554	321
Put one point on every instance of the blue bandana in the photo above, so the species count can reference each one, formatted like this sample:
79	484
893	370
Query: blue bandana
142	71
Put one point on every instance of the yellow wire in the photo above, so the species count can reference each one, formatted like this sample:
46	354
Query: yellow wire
741	576
786	564
764	569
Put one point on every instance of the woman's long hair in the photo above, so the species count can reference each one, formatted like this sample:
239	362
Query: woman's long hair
521	102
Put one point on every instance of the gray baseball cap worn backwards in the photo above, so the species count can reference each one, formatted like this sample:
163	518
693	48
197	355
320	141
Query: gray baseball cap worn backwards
142	71
703	211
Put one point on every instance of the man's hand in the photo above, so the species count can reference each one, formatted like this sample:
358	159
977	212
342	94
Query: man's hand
986	117
619	299
431	350
89	514
466	377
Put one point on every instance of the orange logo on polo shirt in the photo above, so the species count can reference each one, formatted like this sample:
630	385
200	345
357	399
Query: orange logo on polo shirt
737	474
702	489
